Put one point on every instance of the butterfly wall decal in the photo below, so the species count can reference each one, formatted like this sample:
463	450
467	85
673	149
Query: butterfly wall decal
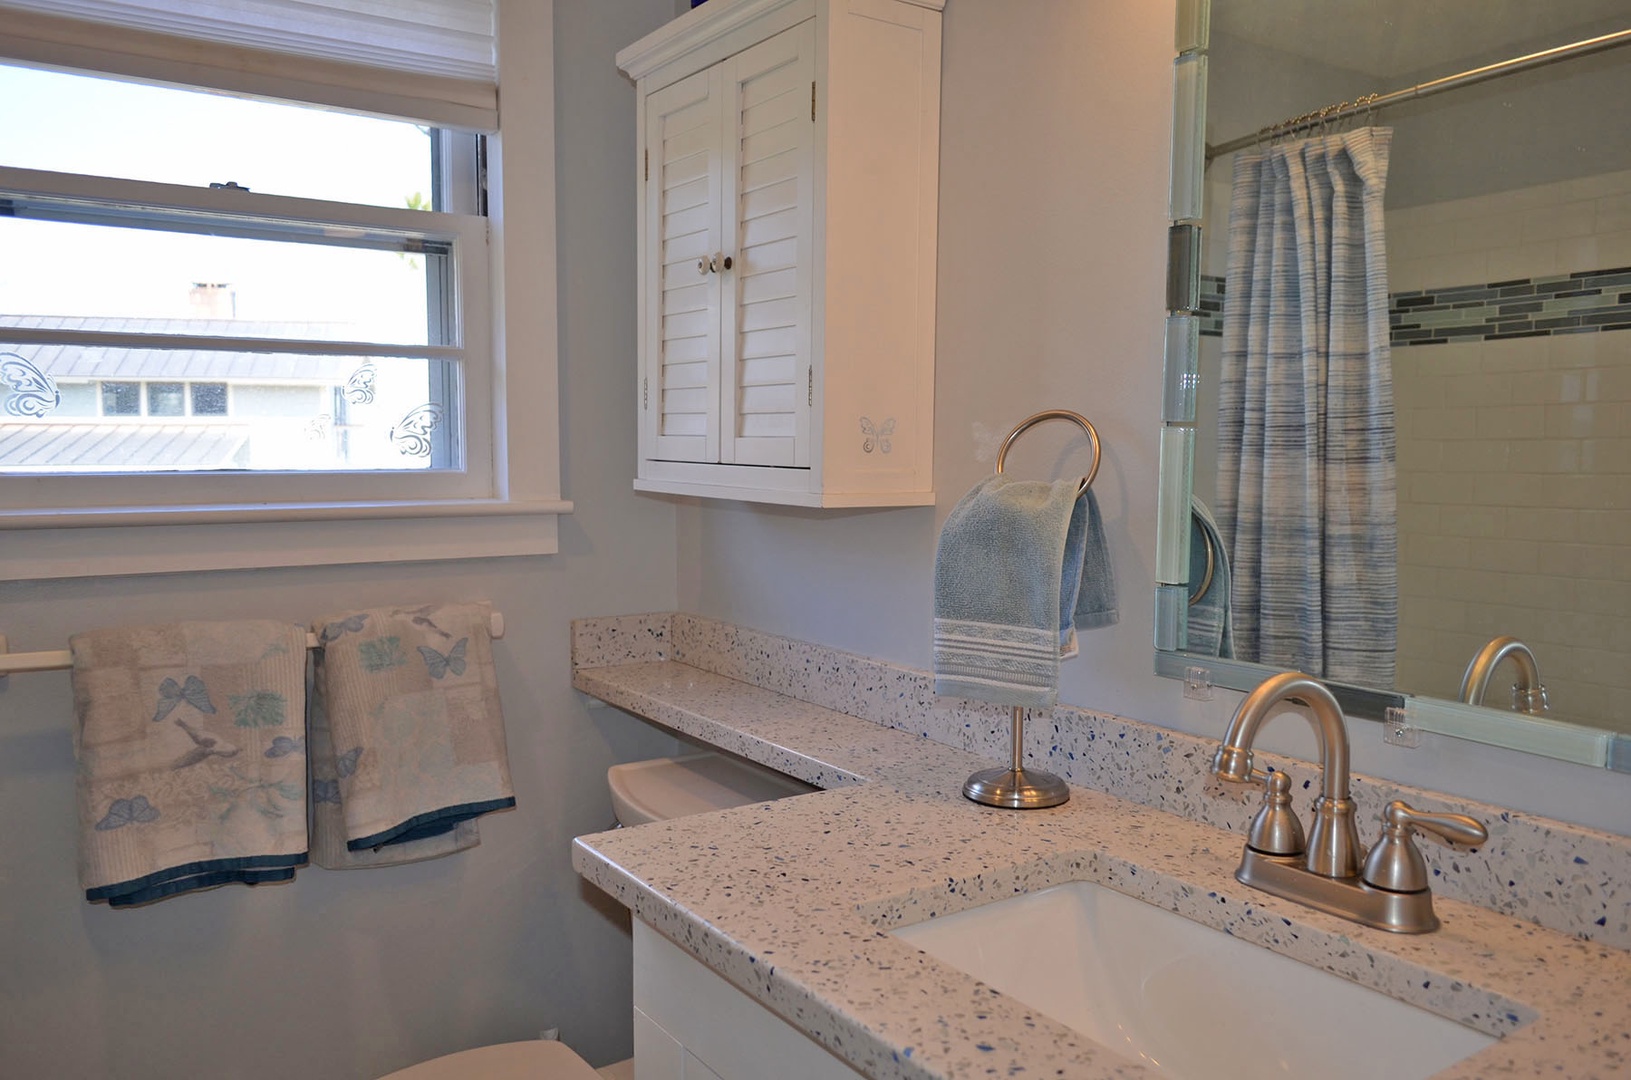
172	693
122	812
346	763
411	434
325	791
33	392
876	435
439	664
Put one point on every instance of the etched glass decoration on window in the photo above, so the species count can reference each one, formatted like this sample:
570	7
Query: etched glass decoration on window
197	282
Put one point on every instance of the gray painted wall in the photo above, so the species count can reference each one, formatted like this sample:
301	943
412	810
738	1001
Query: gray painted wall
344	975
1052	215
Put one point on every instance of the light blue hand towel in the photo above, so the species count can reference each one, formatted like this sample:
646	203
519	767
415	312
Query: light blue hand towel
1087	557
1020	566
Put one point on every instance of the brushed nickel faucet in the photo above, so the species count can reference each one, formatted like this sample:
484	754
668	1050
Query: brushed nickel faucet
1333	847
1390	890
1528	693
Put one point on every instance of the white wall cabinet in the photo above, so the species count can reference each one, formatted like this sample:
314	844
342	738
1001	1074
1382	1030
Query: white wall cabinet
789	155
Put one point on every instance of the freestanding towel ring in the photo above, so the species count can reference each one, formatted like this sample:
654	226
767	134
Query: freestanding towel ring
1016	787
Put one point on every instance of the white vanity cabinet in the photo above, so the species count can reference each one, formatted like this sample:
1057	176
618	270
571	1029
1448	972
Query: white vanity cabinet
789	165
691	1024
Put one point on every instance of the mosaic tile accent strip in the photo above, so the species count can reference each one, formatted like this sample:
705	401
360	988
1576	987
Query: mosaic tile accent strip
1211	307
1583	302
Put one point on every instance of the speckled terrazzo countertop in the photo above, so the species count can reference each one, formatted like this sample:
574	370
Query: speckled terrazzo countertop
791	901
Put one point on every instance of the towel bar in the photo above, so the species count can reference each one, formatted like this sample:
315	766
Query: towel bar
62	659
1016	787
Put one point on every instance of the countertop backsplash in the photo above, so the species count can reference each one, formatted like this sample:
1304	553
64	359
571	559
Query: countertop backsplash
1564	877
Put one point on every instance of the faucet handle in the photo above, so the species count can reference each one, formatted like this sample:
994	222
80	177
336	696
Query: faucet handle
1275	830
1395	864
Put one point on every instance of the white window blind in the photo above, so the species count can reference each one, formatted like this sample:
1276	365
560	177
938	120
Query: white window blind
431	60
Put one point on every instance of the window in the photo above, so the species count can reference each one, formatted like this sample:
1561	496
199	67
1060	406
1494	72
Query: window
285	261
118	398
209	398
133	264
166	399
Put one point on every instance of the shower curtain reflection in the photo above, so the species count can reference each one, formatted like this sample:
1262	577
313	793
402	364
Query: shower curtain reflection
1306	484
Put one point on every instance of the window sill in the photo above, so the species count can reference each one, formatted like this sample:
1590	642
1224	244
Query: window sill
103	543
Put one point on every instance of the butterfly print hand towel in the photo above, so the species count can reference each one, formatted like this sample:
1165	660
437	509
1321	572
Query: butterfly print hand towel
408	733
191	747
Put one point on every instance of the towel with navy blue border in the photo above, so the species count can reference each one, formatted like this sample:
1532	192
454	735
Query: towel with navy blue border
190	739
416	731
327	810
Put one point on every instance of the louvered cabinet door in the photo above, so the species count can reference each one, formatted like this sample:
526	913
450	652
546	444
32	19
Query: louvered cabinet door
792	148
680	391
769	229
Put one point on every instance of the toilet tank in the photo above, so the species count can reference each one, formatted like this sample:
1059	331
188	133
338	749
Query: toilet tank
664	788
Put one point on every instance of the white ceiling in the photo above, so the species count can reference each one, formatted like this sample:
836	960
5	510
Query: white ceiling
1395	39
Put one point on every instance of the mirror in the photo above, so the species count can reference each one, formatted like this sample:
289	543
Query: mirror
1505	233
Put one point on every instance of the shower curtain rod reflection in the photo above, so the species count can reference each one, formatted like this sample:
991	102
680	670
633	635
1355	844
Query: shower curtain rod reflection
1372	102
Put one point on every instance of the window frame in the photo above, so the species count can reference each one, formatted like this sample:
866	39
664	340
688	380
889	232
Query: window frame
507	499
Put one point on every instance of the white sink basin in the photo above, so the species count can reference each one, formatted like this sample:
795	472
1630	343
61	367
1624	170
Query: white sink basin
1184	999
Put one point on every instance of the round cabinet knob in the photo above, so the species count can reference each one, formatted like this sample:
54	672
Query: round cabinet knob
702	266
727	262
